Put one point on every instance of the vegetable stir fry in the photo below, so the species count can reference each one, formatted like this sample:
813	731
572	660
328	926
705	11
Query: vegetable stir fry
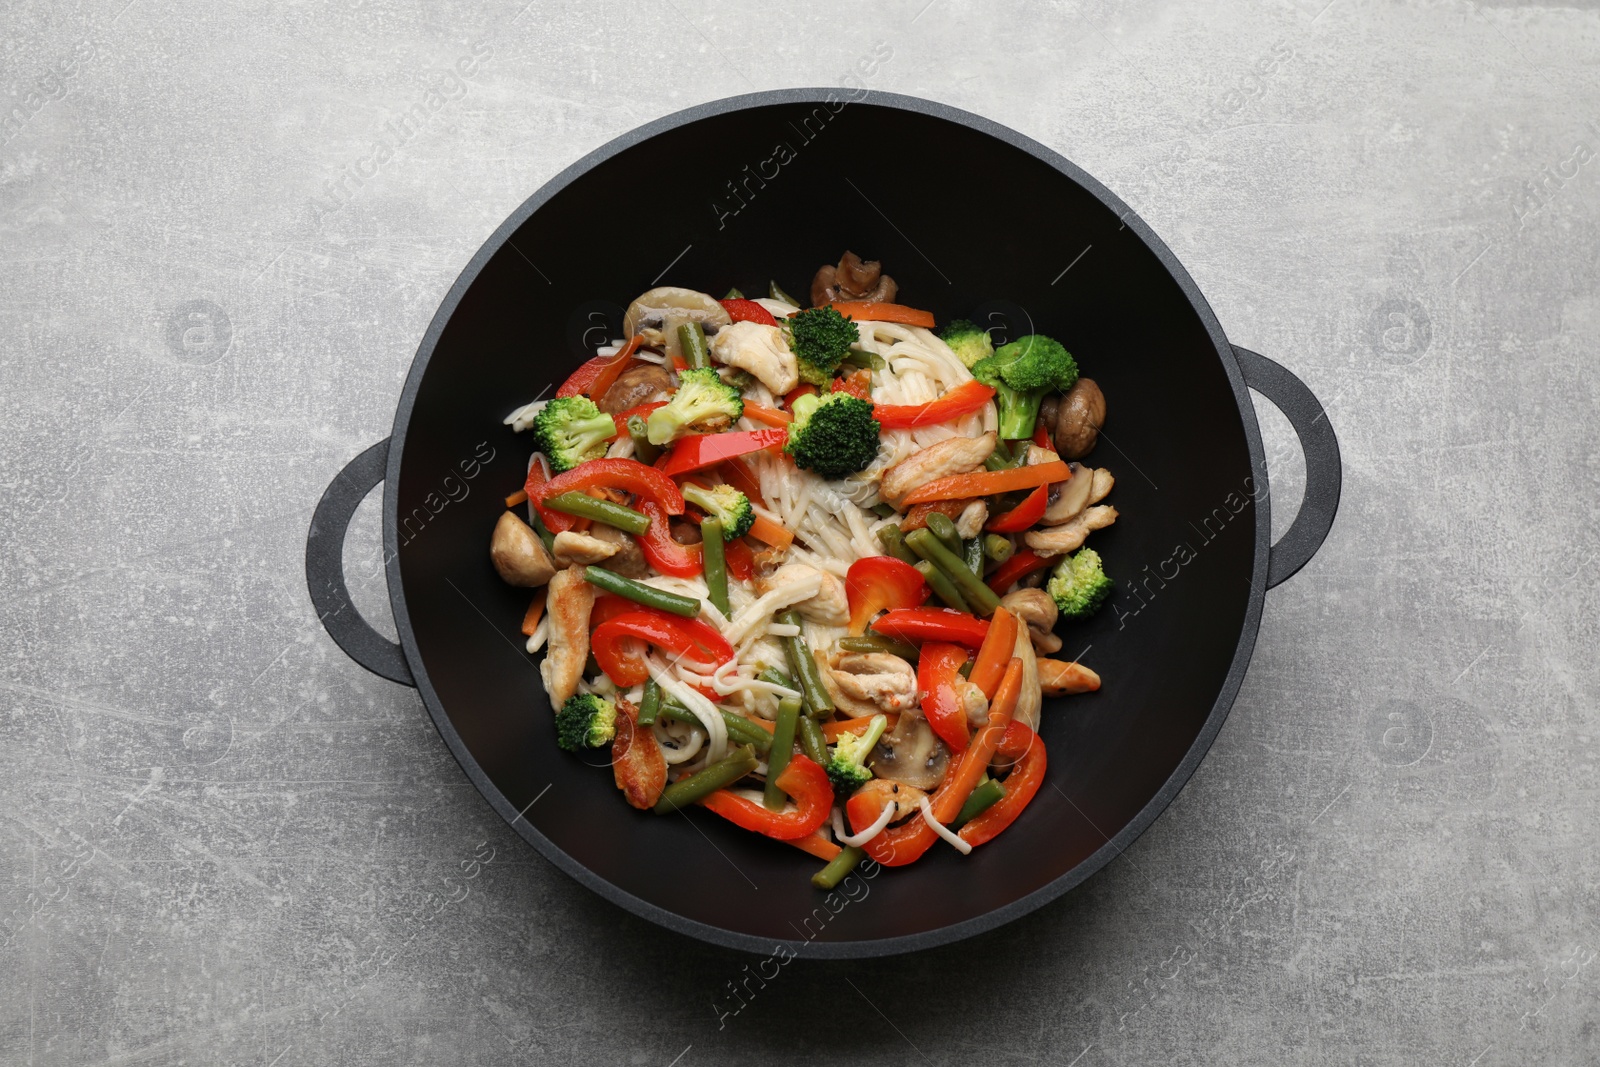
804	567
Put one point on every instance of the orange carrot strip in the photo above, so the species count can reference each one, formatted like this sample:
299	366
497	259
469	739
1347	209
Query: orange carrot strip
988	483
519	497
764	529
955	789
767	416
875	311
816	845
995	652
530	621
832	731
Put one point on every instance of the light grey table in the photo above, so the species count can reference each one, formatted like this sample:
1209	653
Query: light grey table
226	843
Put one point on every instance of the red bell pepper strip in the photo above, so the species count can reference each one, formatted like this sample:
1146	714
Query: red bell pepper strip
600	373
621	418
740	560
1027	774
608	606
858	384
748	311
964	399
1017	568
709	449
899	845
939	682
739	475
805	782
690	641
628	475
661	551
880	583
1025	514
933	624
1041	435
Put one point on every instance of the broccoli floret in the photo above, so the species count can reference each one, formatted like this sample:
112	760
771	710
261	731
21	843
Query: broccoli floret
1079	585
834	435
585	721
819	338
570	430
704	403
726	504
969	343
1022	372
847	766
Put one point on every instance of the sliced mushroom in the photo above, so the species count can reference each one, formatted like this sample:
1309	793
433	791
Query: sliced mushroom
1070	535
1069	497
1079	417
911	754
637	385
1037	610
629	560
658	313
852	279
518	554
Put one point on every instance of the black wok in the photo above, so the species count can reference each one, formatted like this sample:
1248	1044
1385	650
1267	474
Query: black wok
972	220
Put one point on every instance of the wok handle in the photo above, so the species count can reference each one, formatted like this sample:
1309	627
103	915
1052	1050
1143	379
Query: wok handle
325	568
1324	471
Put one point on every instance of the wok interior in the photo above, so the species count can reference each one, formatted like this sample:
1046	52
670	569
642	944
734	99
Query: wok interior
963	221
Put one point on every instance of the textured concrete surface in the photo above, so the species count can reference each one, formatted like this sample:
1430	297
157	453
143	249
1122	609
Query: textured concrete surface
225	843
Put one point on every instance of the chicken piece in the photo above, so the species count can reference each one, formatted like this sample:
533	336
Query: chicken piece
830	606
582	549
637	765
955	455
1037	610
1029	699
570	601
1037	455
1069	536
761	350
1100	488
517	553
1058	678
973	703
870	682
629	560
973	516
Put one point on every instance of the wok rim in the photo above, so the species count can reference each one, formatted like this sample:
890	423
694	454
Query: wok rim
951	932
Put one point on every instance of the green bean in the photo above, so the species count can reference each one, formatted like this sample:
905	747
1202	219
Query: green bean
733	294
741	731
650	703
894	543
1002	458
692	339
812	743
719	775
981	799
542	530
942	586
998	547
965	670
803	665
778	294
774	676
870	360
931	549
716	564
587	507
883	511
782	748
870	643
943	527
643	450
837	868
973	557
612	582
